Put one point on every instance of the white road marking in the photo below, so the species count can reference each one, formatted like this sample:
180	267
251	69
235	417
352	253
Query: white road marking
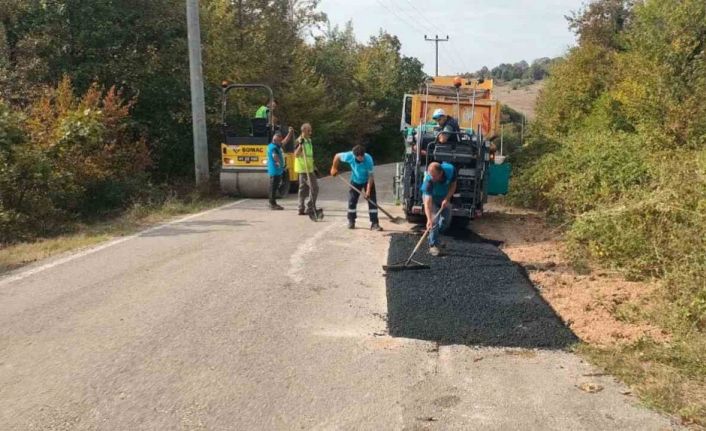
22	274
297	259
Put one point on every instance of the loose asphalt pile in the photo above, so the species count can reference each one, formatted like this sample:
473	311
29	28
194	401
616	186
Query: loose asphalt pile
474	295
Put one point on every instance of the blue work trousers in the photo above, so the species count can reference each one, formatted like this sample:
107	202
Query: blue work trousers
441	224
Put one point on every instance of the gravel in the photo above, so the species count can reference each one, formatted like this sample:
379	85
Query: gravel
474	295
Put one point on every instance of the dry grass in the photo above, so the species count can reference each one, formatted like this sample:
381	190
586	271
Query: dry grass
666	376
137	218
523	99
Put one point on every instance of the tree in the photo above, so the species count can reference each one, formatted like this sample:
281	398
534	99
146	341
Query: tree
602	22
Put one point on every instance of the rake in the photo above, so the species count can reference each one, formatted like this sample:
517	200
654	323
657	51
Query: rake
411	264
318	213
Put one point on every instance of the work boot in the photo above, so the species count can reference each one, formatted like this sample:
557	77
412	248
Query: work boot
351	224
434	251
376	227
275	207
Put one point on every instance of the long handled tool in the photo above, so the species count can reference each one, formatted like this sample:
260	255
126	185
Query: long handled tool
317	213
395	220
409	263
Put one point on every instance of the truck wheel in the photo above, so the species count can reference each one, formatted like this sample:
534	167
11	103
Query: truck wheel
415	218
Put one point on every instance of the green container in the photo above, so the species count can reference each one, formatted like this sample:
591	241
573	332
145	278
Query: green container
499	179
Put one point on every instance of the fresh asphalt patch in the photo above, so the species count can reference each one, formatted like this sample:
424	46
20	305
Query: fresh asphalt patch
473	295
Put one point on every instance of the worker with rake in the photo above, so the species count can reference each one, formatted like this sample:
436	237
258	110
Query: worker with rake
362	181
437	189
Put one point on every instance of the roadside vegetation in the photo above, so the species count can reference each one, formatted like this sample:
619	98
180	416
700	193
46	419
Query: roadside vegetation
95	109
617	157
518	75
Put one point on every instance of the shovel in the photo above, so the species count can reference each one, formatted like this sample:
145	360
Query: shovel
395	220
411	264
318	213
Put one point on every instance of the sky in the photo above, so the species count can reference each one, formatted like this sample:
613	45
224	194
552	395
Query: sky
482	33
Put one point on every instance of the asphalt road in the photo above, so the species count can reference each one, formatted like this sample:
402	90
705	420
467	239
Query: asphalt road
247	319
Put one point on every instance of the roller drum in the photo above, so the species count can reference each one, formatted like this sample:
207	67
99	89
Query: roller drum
245	184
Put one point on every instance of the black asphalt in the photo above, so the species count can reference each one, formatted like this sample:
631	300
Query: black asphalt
474	295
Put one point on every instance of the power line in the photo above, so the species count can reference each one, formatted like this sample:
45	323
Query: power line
405	21
400	18
423	21
457	58
436	41
405	17
430	29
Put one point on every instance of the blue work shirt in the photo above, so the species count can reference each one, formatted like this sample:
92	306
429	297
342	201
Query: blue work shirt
439	190
272	169
360	171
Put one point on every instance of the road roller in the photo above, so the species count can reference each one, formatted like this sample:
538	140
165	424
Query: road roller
244	150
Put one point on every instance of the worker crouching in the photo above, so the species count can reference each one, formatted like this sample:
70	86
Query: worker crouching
437	190
362	180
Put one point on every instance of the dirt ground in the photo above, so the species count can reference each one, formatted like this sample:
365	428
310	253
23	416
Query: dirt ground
601	308
522	100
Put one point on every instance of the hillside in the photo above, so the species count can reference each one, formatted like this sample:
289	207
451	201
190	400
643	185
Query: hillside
522	99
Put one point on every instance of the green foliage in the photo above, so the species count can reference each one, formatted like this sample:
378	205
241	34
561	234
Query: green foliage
602	22
95	155
519	83
350	92
573	88
618	151
24	178
666	375
618	155
511	121
73	157
590	170
519	72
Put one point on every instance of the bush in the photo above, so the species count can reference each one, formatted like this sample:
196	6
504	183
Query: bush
25	177
72	158
618	155
591	169
660	232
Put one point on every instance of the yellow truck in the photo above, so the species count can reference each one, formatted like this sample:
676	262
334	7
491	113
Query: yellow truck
244	151
471	103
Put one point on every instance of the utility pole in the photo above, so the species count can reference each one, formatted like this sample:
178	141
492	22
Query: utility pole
436	41
522	131
198	106
502	134
291	10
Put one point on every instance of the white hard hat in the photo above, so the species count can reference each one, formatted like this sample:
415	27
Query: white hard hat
438	113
